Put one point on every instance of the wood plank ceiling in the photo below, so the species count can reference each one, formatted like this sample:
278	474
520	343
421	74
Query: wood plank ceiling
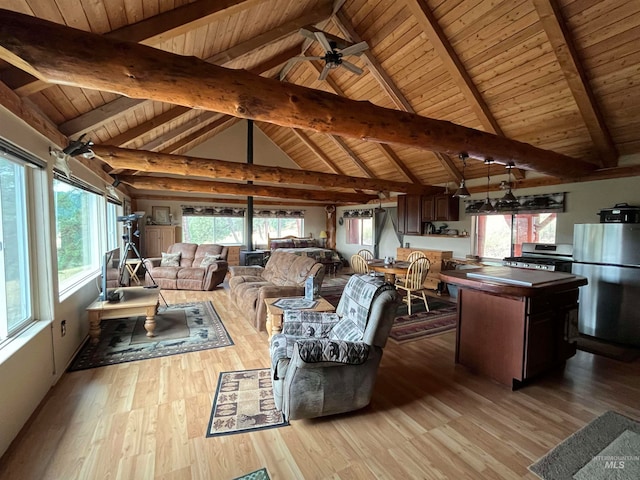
561	75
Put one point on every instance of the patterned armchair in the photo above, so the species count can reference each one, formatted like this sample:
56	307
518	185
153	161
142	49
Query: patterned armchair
326	363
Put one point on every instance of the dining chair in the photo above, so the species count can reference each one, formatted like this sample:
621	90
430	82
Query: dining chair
414	280
359	264
412	256
366	254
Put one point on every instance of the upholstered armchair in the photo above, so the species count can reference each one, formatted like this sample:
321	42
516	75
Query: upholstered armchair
327	363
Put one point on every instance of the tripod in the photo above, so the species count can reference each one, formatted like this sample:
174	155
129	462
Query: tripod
131	247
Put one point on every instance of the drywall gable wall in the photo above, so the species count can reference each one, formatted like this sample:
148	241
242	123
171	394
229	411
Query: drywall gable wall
231	145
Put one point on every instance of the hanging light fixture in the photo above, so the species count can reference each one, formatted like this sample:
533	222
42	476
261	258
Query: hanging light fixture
509	198
462	191
487	207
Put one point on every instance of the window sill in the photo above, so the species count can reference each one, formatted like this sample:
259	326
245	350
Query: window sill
15	343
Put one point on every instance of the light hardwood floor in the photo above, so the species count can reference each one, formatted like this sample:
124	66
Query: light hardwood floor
428	418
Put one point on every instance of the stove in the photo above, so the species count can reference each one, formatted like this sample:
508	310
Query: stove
543	256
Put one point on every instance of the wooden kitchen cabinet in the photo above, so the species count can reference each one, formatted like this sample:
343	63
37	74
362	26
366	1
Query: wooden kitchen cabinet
440	208
158	238
410	214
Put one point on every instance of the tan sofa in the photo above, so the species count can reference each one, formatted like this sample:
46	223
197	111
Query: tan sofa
189	275
283	276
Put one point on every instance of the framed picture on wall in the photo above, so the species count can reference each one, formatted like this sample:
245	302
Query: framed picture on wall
161	215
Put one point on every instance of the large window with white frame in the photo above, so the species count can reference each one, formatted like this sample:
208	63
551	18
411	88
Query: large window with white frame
78	214
16	303
209	229
359	231
500	236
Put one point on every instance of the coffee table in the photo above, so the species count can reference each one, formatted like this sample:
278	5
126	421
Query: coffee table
135	301
274	314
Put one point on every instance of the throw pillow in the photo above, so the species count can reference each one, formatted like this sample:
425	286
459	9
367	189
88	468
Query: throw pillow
209	259
170	260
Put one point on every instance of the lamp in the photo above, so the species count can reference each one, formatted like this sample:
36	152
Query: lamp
509	198
487	207
323	236
462	191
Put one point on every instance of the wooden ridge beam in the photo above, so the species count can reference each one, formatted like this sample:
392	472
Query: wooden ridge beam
567	55
92	61
151	162
223	200
223	188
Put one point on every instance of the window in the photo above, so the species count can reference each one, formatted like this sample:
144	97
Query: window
77	233
112	225
359	231
207	229
275	227
500	236
15	278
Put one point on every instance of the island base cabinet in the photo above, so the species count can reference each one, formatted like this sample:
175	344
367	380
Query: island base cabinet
511	339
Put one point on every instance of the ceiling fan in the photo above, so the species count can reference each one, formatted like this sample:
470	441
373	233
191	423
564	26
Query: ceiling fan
334	56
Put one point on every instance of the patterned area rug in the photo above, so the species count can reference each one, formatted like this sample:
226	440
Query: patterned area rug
181	328
243	403
261	474
441	318
607	448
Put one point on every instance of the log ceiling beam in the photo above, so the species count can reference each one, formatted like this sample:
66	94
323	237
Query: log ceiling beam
150	31
92	61
151	162
223	188
567	55
223	200
386	82
430	26
386	150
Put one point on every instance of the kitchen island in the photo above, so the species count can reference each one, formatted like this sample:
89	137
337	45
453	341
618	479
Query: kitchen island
514	323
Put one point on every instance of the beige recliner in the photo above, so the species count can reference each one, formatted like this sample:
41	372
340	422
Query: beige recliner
327	363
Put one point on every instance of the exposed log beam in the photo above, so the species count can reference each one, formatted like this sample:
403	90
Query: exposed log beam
222	200
223	188
386	82
386	150
91	61
567	55
150	31
151	162
430	26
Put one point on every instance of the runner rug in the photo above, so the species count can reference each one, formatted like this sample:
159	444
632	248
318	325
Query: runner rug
606	448
244	403
441	318
180	328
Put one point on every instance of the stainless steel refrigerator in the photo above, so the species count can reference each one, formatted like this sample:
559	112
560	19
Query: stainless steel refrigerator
608	254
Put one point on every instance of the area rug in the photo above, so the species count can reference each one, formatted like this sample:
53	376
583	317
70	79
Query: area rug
606	448
441	318
261	474
181	328
244	402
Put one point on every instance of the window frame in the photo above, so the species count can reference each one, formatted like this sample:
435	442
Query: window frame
350	224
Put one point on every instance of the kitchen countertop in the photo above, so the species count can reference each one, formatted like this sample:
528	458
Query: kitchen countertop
512	281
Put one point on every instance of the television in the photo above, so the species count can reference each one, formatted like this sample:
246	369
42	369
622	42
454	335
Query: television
111	276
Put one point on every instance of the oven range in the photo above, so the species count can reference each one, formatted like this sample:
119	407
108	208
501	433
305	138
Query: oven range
543	256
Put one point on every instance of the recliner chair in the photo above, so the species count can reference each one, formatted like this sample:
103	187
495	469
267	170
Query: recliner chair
327	363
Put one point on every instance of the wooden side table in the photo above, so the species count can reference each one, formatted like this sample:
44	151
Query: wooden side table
274	314
133	265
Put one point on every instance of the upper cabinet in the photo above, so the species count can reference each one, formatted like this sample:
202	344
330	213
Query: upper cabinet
414	210
410	214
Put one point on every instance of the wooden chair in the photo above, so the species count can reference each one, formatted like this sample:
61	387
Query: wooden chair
413	284
412	256
366	254
359	264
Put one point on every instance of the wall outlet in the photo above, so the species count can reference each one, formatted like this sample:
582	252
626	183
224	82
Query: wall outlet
63	328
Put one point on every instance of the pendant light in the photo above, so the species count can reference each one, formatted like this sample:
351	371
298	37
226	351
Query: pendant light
487	207
462	191
509	198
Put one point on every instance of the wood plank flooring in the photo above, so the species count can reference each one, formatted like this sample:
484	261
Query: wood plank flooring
428	419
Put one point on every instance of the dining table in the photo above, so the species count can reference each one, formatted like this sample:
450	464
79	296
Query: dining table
390	270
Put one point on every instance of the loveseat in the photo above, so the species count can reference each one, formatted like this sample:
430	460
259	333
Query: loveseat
188	266
284	275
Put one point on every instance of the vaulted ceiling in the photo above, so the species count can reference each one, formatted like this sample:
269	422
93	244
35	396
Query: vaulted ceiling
553	85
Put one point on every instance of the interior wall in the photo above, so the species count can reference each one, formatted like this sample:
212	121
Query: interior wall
583	202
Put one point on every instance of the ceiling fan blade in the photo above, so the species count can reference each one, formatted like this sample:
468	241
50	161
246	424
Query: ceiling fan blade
323	41
351	67
324	72
356	49
306	32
